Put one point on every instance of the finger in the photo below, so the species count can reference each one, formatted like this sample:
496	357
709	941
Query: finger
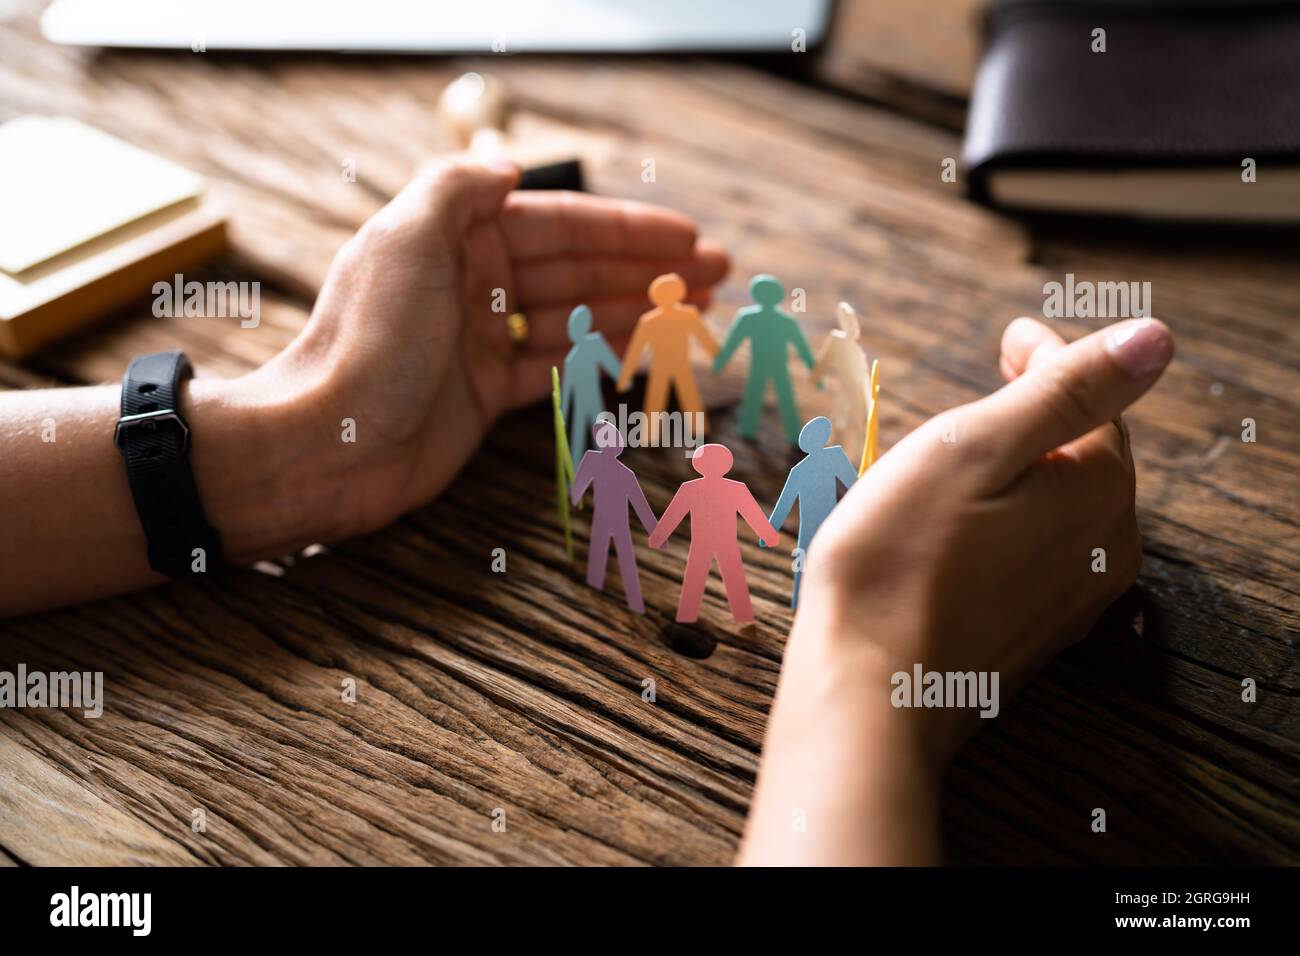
548	326
1024	342
1028	342
1105	444
541	225
1071	392
573	280
450	195
530	374
1109	440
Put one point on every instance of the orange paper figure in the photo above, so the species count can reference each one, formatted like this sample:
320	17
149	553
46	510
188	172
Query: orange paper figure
666	332
842	357
713	502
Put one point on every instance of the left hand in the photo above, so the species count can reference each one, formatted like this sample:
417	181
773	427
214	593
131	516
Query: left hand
405	339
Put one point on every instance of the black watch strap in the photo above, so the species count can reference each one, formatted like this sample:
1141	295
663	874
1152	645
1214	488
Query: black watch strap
155	443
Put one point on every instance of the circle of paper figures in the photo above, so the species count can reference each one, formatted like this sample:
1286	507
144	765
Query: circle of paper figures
712	501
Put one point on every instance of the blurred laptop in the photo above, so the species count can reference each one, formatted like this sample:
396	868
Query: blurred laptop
427	26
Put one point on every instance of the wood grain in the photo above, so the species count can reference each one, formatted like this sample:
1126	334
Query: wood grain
522	691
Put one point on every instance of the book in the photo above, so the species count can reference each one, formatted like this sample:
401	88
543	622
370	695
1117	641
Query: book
88	223
1176	110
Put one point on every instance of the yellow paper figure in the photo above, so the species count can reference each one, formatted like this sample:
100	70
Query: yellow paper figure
873	421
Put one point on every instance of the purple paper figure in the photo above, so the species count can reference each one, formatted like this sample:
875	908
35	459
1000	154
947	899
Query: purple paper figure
613	487
713	502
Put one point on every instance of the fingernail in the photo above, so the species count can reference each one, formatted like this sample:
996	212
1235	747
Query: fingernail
503	166
1140	346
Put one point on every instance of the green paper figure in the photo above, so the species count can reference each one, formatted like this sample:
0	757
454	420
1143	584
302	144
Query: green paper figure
563	465
580	395
770	332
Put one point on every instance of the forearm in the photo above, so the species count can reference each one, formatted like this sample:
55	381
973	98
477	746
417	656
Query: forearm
71	532
844	778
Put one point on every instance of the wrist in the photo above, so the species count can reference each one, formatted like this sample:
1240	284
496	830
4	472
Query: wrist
844	675
266	476
846	779
857	662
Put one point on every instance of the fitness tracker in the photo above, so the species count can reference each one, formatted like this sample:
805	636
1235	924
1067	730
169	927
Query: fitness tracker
155	443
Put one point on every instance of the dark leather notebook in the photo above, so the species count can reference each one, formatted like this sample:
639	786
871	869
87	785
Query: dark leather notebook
1182	109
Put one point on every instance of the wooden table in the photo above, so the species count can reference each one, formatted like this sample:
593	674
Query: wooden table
478	692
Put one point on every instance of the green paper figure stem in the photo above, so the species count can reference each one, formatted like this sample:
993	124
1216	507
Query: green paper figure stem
771	332
563	465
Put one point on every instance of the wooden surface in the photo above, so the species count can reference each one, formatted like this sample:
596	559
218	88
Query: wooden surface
522	691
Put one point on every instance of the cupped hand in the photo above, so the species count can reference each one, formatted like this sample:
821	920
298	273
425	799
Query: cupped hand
985	541
978	542
409	336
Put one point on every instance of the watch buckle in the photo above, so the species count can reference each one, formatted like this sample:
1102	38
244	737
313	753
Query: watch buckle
163	414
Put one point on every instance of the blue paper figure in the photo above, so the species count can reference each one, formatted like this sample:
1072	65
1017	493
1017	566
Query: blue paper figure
771	332
813	482
581	395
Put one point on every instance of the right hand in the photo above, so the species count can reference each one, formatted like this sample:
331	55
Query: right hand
969	546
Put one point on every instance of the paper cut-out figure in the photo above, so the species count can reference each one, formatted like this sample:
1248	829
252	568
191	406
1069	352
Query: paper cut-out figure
666	332
563	464
841	356
771	332
614	487
580	396
713	502
813	484
870	445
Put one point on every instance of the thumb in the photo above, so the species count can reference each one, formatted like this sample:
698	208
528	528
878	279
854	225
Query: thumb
448	196
1072	391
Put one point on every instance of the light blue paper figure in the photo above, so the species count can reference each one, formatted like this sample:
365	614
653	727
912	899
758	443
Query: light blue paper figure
581	396
771	332
813	483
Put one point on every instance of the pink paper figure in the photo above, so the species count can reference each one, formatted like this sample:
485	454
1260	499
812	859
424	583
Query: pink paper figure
713	503
614	487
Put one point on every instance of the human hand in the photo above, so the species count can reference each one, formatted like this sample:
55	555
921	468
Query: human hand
974	553
405	342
